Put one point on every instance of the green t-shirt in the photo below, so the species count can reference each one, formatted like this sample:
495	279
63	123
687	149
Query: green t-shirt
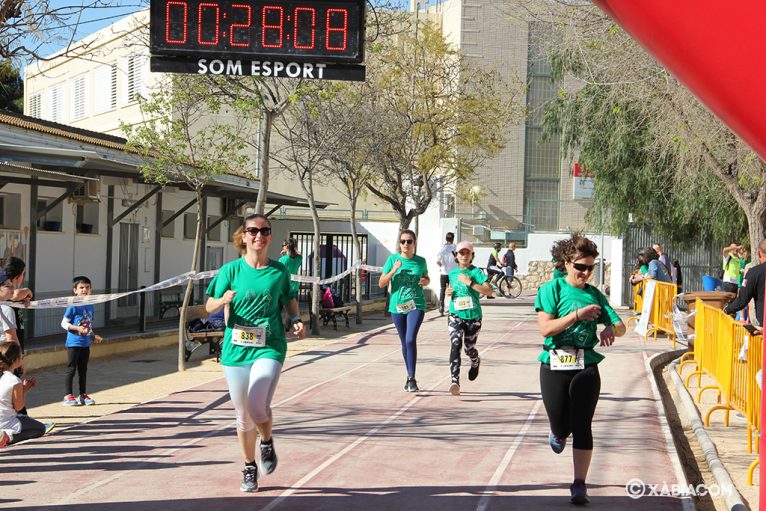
293	265
557	274
558	298
731	267
260	294
461	290
405	283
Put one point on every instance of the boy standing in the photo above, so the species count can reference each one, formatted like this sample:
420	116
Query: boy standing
78	322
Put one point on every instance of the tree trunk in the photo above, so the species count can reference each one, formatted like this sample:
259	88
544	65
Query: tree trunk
756	223
189	287
358	276
260	202
317	268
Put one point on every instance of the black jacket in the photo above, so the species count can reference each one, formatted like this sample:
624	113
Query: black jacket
752	288
510	259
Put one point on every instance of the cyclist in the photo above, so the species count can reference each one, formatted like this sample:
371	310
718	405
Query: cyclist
495	265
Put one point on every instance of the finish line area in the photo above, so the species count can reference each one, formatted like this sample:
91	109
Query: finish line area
349	437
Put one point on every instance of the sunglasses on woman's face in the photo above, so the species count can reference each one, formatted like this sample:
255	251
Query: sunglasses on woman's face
406	242
253	231
583	267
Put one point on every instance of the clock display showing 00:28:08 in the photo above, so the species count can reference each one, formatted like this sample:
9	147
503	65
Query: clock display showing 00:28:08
297	28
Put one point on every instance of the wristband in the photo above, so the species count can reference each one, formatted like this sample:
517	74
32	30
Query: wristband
295	319
577	316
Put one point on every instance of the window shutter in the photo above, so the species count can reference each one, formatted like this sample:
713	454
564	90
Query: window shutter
79	92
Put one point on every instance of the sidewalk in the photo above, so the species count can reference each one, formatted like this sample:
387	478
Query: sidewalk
347	435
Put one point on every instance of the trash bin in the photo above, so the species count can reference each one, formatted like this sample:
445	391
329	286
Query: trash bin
717	299
710	283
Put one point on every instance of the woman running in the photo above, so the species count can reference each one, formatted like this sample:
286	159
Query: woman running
253	289
407	273
467	284
292	259
568	310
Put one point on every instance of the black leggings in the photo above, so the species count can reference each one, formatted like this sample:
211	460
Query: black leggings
77	360
30	428
570	398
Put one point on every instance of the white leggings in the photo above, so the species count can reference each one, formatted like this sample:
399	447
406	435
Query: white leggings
251	388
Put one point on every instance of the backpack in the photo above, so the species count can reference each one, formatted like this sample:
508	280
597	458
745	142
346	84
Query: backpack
336	299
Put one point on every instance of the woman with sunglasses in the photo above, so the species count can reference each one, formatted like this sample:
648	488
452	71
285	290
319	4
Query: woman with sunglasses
253	289
568	311
407	273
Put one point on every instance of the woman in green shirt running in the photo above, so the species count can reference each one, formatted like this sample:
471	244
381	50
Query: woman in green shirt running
253	289
568	310
407	273
467	284
292	259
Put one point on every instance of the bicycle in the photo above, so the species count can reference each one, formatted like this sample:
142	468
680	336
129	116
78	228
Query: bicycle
508	287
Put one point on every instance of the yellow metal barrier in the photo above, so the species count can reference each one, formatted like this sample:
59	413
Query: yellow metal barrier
638	302
719	346
661	317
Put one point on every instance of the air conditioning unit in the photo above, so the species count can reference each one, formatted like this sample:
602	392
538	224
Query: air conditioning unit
89	192
479	230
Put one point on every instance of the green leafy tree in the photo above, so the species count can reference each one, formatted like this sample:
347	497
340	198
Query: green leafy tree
11	88
656	153
436	118
184	140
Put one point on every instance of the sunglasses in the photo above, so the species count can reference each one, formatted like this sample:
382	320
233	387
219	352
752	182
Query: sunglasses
253	231
583	267
406	242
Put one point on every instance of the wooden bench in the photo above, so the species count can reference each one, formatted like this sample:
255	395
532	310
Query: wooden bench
327	315
169	299
196	339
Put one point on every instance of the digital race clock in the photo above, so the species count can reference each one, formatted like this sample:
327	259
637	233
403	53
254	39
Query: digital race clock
295	30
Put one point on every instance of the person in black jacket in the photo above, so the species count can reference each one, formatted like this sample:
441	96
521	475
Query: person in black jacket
752	288
509	260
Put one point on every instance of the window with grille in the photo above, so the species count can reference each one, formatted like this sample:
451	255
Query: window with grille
35	105
79	97
105	98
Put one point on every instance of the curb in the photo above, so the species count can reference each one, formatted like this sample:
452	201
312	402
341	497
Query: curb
733	499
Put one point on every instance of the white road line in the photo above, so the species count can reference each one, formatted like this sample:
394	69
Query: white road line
492	486
337	377
305	479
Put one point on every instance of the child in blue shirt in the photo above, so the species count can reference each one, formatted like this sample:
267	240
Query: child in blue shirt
78	322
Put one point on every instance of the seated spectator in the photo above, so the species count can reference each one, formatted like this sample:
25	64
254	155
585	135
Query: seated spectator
649	265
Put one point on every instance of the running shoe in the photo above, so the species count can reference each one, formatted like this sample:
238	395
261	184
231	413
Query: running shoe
411	385
49	427
268	457
249	479
70	400
454	388
85	399
557	444
473	372
579	492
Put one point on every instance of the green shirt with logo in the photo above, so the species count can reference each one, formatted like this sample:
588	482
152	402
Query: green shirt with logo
260	294
293	265
558	298
460	290
405	283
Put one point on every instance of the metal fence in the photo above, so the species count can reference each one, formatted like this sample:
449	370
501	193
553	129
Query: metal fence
337	253
703	258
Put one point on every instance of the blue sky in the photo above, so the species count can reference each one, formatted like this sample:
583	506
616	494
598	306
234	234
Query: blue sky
90	20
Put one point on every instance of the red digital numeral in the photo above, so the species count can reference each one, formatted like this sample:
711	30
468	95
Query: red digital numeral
244	26
337	34
271	36
175	29
305	28
200	31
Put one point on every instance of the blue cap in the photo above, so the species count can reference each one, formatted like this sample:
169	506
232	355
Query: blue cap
3	276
